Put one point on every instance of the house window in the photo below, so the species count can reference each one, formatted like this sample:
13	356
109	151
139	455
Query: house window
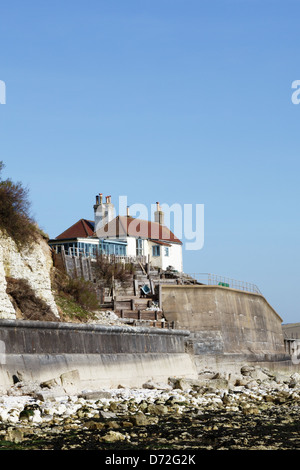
166	251
156	250
139	247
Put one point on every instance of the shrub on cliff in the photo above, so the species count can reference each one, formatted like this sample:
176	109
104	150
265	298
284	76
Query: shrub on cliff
83	292
107	270
15	216
76	298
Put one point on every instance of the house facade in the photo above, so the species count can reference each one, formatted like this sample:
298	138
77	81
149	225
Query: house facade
122	236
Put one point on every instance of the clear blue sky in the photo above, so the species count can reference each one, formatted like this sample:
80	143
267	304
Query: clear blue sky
185	101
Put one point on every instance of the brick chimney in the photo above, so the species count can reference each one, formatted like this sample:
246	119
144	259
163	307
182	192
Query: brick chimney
159	215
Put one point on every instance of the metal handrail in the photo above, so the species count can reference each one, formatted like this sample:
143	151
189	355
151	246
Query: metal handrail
217	280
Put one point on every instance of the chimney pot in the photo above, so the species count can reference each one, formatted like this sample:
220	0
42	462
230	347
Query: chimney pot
159	215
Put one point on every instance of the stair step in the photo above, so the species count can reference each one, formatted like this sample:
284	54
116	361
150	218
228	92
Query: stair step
140	314
126	298
130	303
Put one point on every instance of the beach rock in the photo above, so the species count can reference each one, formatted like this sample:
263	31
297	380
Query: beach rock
70	381
113	436
49	394
295	377
15	435
281	378
85	412
151	385
157	409
95	395
219	383
247	370
251	384
142	406
181	384
259	374
269	398
294	380
22	388
241	382
30	413
140	419
187	384
113	425
107	414
251	410
127	424
50	383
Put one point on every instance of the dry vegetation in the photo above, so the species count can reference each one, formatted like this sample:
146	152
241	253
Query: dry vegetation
15	218
76	299
106	271
27	305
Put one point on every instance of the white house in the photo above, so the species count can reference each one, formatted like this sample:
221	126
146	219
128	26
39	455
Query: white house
150	239
123	236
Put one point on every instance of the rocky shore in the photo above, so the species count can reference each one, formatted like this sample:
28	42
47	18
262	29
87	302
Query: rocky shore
255	409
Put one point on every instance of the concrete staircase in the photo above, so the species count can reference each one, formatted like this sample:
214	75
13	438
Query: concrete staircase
134	307
138	308
139	311
126	300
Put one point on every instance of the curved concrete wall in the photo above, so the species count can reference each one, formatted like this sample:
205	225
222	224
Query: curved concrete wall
224	320
103	356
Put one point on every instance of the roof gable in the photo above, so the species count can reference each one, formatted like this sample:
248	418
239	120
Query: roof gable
82	229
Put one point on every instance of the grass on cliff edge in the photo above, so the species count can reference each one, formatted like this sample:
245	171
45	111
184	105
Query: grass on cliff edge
76	299
70	310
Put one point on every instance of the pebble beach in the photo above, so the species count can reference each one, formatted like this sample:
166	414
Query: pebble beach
255	409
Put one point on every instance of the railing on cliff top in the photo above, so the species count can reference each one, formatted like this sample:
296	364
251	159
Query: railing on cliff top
78	252
216	280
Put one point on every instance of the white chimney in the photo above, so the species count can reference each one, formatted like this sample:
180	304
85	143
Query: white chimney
159	215
103	212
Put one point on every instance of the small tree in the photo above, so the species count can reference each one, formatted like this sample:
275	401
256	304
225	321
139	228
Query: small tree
15	216
107	270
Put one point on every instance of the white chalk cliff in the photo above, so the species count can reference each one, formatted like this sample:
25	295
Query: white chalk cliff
31	263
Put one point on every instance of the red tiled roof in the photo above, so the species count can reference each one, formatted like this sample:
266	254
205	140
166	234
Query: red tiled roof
82	229
131	227
160	242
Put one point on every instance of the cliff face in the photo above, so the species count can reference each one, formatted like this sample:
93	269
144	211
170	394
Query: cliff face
33	266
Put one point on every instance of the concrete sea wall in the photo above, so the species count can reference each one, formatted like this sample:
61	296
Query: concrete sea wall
217	327
103	356
225	324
